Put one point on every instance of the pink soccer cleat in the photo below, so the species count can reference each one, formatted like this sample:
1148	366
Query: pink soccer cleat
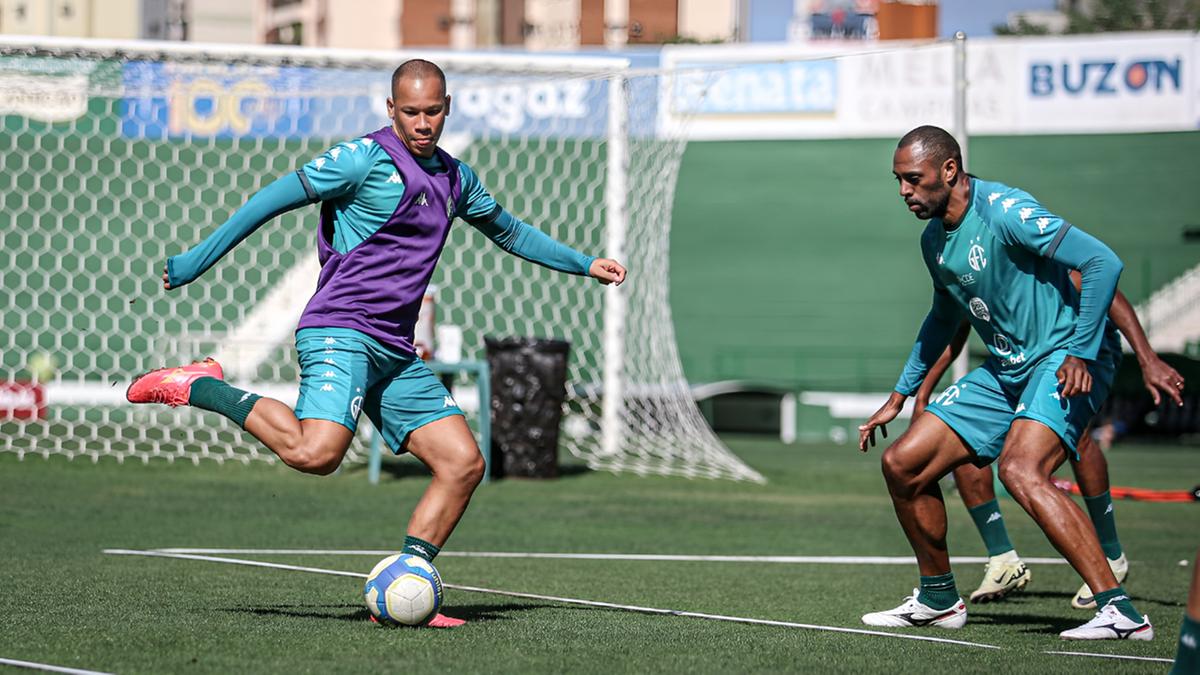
443	621
439	621
171	385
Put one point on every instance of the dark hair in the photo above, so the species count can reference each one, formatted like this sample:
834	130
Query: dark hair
934	143
418	68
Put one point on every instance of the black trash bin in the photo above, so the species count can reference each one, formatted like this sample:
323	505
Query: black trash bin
529	385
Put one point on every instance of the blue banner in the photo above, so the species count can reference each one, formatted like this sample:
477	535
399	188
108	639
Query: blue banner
176	100
707	88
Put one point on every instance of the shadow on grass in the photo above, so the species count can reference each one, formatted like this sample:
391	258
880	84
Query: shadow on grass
358	613
1087	614
1033	623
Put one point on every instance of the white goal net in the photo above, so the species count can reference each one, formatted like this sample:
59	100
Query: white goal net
117	155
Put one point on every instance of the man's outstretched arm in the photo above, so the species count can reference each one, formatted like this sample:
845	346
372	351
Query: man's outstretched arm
513	235
283	195
936	333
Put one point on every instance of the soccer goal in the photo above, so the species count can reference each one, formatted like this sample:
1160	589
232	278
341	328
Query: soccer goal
116	155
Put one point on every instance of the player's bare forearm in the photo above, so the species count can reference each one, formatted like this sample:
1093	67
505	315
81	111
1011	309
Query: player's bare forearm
887	413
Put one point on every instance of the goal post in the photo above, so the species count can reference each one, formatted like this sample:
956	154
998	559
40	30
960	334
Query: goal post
116	155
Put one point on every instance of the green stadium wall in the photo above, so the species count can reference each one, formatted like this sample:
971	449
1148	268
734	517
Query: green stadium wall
794	262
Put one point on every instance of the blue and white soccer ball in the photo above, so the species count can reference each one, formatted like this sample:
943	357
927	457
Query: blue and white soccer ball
403	589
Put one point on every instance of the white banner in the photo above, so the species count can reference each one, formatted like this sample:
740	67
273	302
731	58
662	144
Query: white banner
1125	82
1106	83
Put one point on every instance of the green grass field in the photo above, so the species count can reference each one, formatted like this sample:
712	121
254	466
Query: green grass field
64	602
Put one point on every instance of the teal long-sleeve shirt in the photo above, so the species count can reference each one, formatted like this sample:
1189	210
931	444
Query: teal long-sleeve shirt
1006	268
364	189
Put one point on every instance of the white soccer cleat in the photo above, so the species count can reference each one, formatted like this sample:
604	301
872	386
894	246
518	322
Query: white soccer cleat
1085	599
914	614
1110	624
1005	573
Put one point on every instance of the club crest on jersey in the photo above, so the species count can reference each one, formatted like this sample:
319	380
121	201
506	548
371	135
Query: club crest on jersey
979	309
977	258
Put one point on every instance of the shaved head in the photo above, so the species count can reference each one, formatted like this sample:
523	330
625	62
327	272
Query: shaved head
932	144
418	69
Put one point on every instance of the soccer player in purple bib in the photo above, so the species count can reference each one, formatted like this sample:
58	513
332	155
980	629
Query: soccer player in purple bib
1000	260
387	202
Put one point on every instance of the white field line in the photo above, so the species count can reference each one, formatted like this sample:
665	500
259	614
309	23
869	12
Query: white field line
1115	656
48	668
787	559
570	601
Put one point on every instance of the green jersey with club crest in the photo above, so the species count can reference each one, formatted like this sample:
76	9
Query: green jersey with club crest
1006	268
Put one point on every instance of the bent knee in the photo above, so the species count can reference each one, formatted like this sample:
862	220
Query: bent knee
321	461
1021	477
463	466
899	469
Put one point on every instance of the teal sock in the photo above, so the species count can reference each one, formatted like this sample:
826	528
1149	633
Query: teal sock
938	592
1100	508
1120	599
1187	657
990	524
212	394
420	548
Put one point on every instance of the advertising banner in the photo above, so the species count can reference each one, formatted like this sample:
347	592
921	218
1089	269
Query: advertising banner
1077	84
1110	84
175	100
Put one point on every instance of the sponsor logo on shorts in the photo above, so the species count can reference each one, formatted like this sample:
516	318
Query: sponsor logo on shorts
1020	407
948	397
448	402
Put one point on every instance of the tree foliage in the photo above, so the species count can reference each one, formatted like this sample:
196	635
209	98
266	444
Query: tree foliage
1104	16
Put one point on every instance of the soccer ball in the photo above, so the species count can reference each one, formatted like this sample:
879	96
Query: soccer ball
403	589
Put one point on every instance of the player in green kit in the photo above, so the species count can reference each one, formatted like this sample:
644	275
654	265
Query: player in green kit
1003	262
1005	571
388	201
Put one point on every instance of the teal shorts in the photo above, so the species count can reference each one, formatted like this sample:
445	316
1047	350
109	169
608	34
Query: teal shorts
980	407
344	372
